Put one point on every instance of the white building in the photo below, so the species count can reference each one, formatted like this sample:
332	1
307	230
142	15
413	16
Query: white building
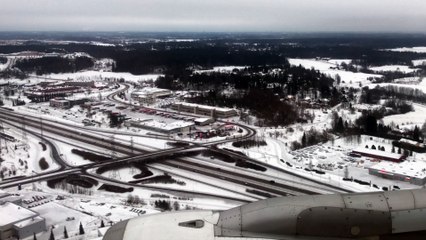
412	172
162	127
148	95
204	110
19	222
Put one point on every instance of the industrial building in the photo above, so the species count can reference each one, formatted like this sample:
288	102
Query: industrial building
148	95
45	94
203	121
214	112
19	222
412	172
167	128
64	103
379	155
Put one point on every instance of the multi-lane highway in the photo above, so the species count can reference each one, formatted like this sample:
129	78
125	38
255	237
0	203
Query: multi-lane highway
82	134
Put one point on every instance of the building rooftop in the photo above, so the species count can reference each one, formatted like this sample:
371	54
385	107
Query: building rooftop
408	168
201	119
27	222
151	90
379	153
12	213
167	126
205	106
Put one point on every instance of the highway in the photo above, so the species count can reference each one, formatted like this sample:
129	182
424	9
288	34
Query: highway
75	133
66	170
125	149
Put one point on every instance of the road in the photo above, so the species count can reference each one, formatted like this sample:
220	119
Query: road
76	134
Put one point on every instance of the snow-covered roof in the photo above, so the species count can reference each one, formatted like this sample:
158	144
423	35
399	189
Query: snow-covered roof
200	120
412	142
152	91
27	222
408	168
12	213
221	109
379	153
167	126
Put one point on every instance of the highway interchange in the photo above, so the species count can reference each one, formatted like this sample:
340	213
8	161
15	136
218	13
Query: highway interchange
167	157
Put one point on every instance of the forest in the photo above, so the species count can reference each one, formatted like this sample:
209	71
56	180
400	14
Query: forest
46	65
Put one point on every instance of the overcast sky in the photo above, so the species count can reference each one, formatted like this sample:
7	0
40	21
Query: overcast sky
214	15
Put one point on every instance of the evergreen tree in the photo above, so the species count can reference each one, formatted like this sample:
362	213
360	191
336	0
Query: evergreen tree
34	237
81	229
339	127
416	133
65	232
102	224
393	149
399	150
52	237
304	140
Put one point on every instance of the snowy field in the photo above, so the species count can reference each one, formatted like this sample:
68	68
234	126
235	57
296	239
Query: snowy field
99	75
419	62
416	84
394	68
339	61
22	157
349	79
408	49
223	69
408	120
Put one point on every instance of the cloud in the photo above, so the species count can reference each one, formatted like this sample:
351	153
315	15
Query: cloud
218	15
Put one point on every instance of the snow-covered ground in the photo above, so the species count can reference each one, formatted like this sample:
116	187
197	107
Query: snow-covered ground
408	49
5	65
221	69
339	61
408	120
22	157
419	62
99	75
418	84
394	68
349	79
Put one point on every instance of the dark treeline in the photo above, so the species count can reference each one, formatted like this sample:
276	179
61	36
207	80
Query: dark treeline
374	95
227	49
176	60
259	90
288	81
46	65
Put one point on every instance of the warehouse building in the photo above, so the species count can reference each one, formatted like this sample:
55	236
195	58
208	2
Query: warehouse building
379	155
148	95
64	103
412	172
203	121
214	112
19	222
167	128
